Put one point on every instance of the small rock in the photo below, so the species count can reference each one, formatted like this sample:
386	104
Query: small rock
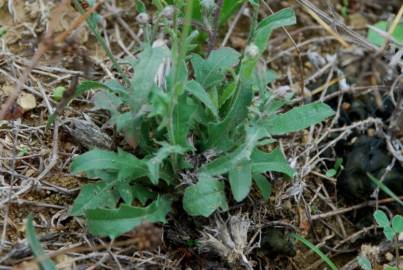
27	101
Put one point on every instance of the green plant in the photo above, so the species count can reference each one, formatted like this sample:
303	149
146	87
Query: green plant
364	263
190	132
3	31
58	93
385	189
315	249
336	167
377	39
42	258
390	228
344	8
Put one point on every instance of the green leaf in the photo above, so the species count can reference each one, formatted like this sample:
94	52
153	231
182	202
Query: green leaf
182	120
264	29
140	7
219	132
381	218
254	2
331	173
203	198
58	93
364	263
240	179
95	159
270	162
228	92
93	196
263	185
242	153
389	233
385	189
198	92
378	39
115	87
223	58
298	118
148	64
3	31
229	7
42	258
397	223
114	222
315	249
125	191
106	101
142	193
211	72
87	86
125	164
155	162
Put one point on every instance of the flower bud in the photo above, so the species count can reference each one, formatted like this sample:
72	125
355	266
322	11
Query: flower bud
252	51
168	12
143	18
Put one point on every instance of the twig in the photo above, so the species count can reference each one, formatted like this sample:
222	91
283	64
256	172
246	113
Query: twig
12	180
327	27
294	44
352	208
214	31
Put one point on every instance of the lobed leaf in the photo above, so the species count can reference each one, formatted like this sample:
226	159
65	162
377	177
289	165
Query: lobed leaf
155	162
211	72
94	196
114	222
125	164
203	198
270	162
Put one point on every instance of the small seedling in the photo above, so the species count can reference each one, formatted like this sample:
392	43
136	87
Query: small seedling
58	93
23	151
337	165
364	263
390	228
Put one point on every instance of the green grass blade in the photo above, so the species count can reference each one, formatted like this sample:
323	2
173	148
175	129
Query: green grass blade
315	249
92	25
385	189
43	259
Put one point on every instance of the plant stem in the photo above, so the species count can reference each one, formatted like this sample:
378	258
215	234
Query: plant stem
214	31
396	243
101	41
179	53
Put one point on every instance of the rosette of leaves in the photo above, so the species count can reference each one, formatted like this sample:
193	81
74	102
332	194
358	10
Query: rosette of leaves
216	104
